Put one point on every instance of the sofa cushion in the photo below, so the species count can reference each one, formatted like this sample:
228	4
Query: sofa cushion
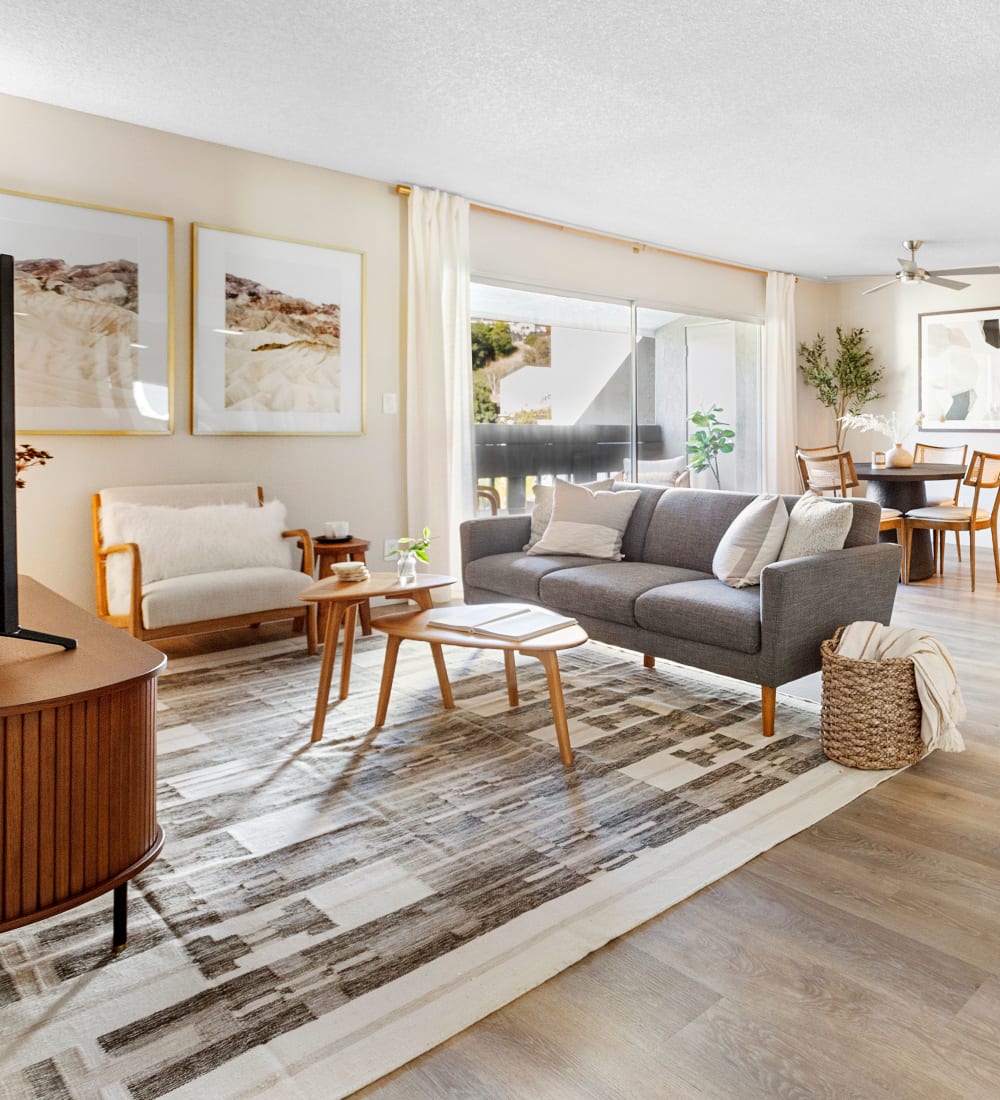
518	575
586	523
638	524
608	590
816	526
752	541
541	513
688	524
703	611
197	596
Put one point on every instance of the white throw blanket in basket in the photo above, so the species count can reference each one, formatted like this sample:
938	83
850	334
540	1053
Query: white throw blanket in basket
933	671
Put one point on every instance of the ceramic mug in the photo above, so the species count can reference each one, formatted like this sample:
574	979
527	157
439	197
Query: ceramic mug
336	529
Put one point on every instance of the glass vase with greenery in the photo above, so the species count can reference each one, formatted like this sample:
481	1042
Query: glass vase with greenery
712	438
407	551
847	384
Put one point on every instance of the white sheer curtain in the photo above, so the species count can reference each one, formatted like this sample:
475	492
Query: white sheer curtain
439	463
780	470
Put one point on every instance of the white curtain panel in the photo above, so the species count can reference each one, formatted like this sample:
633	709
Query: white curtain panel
780	470
439	464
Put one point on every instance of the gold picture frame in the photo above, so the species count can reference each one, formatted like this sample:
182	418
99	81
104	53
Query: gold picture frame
94	316
278	335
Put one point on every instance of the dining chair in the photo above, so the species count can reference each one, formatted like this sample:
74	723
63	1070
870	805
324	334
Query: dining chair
928	452
818	452
982	476
835	473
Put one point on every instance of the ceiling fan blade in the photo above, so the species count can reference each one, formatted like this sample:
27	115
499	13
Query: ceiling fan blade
991	269
908	265
950	283
872	289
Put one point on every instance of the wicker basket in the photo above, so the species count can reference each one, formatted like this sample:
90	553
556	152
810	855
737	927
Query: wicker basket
870	715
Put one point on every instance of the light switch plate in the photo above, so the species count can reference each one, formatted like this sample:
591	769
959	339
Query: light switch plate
390	403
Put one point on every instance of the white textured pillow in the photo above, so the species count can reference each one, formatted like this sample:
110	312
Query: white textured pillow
752	541
541	513
586	523
816	526
175	542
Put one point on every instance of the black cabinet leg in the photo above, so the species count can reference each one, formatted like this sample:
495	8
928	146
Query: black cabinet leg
120	933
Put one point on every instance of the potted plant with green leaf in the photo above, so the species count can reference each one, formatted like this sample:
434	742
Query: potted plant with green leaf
712	438
848	383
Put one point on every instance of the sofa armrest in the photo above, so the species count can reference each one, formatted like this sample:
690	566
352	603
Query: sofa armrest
135	594
804	600
493	535
307	547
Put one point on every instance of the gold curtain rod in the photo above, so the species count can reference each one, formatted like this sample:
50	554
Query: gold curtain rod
636	246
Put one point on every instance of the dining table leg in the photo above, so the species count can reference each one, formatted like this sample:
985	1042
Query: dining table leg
904	496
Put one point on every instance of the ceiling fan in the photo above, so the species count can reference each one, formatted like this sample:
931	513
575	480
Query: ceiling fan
911	272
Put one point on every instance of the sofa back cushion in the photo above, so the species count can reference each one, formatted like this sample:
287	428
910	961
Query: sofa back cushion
635	533
688	524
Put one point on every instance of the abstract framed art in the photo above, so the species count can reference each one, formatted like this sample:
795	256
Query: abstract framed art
278	336
960	369
93	301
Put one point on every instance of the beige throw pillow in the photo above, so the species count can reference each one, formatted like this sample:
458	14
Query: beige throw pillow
542	511
752	541
816	526
586	523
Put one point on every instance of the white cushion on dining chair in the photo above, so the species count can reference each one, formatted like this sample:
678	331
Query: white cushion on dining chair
946	511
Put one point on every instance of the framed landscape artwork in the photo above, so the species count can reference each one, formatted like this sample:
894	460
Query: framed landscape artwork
93	302
960	369
279	336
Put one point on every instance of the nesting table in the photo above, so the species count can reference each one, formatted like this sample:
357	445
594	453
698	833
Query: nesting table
545	647
341	599
327	553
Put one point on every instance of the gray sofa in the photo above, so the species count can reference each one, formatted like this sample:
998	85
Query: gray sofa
664	601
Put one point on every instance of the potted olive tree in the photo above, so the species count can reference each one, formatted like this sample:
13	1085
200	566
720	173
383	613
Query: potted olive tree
847	384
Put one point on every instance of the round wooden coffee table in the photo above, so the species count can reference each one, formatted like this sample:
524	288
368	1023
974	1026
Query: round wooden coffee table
545	647
342	599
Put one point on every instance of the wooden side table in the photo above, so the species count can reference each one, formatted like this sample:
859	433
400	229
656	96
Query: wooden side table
327	552
344	598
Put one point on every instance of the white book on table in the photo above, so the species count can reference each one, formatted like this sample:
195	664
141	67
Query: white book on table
529	624
471	617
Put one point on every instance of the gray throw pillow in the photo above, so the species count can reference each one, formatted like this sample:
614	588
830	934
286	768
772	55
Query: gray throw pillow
542	511
816	526
752	541
586	523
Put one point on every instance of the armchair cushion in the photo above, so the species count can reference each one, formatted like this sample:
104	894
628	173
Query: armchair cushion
234	592
177	542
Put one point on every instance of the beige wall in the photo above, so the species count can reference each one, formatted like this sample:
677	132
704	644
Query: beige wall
80	157
69	155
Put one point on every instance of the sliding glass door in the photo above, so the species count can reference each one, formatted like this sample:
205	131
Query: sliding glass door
586	389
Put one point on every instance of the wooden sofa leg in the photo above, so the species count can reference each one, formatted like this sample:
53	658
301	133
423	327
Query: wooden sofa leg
767	697
648	660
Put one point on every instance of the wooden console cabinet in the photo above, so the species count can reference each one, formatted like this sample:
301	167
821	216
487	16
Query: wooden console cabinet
77	762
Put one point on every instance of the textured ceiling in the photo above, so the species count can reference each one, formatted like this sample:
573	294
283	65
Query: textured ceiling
778	134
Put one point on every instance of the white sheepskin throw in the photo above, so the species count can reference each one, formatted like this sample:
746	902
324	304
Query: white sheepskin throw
175	542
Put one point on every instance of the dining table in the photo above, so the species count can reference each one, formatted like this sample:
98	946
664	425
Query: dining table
905	488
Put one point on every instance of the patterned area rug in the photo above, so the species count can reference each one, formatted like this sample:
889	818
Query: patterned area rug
322	914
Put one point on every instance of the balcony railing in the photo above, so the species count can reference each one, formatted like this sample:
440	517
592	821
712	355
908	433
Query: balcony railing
577	452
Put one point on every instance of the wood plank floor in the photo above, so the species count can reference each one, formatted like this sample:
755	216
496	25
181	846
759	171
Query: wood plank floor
860	958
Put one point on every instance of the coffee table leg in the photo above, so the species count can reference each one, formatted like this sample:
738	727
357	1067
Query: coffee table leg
510	671
550	663
366	618
347	651
446	696
388	671
335	614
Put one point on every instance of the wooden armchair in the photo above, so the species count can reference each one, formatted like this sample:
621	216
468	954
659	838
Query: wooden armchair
171	560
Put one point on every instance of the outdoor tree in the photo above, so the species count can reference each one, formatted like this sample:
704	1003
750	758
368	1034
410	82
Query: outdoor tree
485	409
490	341
846	385
713	438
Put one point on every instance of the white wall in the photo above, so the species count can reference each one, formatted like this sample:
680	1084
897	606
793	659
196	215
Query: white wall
69	155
